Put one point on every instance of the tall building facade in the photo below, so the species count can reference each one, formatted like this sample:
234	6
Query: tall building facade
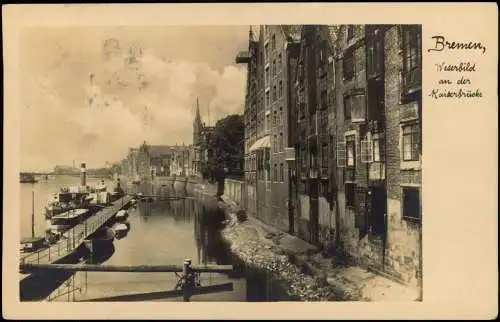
333	123
270	61
315	132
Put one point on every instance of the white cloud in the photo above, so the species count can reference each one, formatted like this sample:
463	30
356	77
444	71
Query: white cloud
152	101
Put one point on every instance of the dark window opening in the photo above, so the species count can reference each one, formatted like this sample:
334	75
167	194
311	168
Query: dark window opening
350	32
348	65
347	108
324	188
323	100
378	210
375	52
411	204
376	105
349	195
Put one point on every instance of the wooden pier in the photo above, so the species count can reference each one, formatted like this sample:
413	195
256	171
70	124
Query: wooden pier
73	238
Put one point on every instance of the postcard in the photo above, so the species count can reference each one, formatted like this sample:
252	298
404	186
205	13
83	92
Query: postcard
250	161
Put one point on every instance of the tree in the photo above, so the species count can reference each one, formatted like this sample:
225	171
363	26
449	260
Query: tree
228	141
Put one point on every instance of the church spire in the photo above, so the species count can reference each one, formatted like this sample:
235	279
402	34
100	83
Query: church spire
197	114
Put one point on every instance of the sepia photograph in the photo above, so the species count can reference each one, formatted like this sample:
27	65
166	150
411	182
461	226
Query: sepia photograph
282	164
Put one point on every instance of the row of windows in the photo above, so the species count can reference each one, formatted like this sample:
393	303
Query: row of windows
274	93
273	47
373	202
410	45
278	143
372	150
277	121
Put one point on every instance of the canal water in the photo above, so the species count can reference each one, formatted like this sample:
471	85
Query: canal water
162	232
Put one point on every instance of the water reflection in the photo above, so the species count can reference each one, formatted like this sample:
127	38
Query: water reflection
58	284
166	231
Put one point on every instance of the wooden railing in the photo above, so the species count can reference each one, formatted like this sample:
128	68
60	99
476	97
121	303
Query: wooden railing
71	239
188	281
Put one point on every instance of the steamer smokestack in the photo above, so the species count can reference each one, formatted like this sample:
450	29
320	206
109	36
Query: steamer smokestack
83	175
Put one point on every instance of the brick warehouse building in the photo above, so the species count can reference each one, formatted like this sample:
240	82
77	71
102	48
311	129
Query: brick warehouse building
351	143
270	61
314	134
358	103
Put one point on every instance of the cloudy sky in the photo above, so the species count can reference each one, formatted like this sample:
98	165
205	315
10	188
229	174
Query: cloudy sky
88	94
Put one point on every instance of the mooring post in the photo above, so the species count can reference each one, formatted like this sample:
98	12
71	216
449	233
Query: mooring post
188	279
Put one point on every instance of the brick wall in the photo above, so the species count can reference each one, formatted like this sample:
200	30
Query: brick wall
403	236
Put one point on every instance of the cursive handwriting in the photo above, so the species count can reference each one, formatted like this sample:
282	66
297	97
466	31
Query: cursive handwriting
441	44
462	67
444	93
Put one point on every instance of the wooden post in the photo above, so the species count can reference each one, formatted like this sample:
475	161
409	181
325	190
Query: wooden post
33	212
74	286
188	279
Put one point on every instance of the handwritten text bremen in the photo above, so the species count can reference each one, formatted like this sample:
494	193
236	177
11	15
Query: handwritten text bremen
440	44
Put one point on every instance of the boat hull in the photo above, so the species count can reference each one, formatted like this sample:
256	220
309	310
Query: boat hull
100	241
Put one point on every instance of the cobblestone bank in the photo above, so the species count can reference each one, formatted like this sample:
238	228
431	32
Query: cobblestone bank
262	251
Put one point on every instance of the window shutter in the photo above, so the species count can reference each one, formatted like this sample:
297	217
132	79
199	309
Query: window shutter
366	151
341	154
360	201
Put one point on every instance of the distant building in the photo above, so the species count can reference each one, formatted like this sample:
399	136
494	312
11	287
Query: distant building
157	160
62	169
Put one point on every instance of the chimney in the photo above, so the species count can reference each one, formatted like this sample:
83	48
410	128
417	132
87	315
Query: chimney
118	184
83	174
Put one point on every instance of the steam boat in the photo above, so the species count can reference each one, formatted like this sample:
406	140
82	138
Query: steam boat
68	219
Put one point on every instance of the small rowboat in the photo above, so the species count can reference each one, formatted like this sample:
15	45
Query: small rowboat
121	230
121	215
